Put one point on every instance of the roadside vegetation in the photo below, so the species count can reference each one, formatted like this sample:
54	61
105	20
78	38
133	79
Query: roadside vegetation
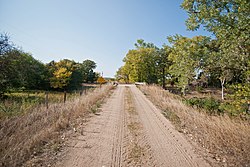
39	129
220	138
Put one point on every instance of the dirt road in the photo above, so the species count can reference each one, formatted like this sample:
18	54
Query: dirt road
130	131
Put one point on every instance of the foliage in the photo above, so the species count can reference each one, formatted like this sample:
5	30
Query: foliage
187	56
87	70
222	60
69	75
163	63
101	80
240	98
21	71
61	78
122	75
145	63
5	44
211	105
140	65
62	72
229	22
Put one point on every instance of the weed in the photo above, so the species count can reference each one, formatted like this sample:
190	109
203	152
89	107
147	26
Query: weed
136	152
173	117
211	105
199	89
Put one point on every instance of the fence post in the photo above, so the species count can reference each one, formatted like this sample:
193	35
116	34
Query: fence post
248	105
64	97
47	99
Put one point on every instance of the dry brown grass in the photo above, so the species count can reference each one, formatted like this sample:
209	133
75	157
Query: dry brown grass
222	140
24	136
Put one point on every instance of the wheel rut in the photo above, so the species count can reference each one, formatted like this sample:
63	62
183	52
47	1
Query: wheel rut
131	132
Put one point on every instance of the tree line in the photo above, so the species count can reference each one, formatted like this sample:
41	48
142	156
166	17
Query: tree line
21	71
217	62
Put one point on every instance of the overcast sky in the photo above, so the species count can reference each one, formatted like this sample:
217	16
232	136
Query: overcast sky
99	30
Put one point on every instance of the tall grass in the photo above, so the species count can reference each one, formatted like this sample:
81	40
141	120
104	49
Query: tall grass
26	134
19	102
225	140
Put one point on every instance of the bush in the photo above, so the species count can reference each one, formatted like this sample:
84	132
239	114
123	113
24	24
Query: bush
211	105
240	98
199	89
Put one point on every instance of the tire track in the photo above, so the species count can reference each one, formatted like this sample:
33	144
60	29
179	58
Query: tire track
119	135
129	132
104	147
138	151
170	148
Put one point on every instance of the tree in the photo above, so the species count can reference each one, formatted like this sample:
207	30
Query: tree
163	64
140	64
122	75
87	70
8	73
101	80
229	22
187	56
61	78
21	70
76	78
32	72
5	44
61	73
69	75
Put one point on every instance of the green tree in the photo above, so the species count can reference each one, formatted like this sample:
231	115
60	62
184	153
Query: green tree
163	64
69	75
5	66
87	70
187	56
21	70
76	78
32	72
229	22
5	44
140	64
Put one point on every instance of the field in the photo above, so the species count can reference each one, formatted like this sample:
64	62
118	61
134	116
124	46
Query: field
19	102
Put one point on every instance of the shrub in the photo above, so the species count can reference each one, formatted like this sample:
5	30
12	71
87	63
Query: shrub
199	89
240	98
211	105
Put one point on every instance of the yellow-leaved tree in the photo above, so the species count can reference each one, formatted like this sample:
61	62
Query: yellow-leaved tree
61	78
